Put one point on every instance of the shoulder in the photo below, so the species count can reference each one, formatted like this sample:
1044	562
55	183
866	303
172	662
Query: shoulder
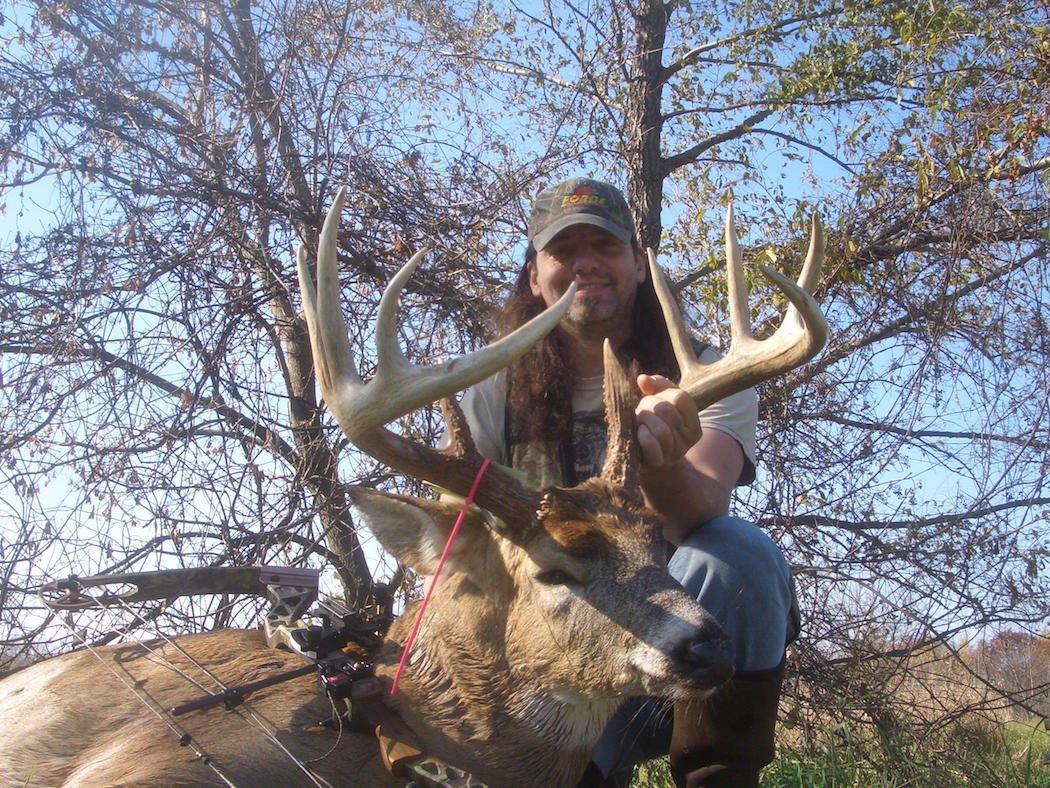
491	392
485	405
743	403
735	415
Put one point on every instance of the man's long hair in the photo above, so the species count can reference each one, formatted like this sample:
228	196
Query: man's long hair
539	384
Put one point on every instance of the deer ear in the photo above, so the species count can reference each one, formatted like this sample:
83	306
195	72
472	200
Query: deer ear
416	530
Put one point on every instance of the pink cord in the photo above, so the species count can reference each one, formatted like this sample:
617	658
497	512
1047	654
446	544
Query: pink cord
434	580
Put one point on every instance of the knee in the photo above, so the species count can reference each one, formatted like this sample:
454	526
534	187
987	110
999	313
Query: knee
734	557
733	569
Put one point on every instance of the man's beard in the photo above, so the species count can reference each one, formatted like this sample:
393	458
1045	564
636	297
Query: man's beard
591	315
596	321
604	309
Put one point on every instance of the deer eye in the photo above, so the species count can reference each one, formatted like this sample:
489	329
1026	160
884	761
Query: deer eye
556	577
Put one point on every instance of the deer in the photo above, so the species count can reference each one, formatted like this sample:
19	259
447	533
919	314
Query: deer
554	607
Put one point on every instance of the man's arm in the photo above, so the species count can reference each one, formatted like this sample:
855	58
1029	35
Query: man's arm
688	474
697	487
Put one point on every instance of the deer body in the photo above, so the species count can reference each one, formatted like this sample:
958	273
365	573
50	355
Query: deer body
554	607
70	721
512	679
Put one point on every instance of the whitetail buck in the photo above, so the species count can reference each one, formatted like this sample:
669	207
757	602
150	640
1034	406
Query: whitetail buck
555	605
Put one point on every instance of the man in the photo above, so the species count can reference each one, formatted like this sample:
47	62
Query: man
544	417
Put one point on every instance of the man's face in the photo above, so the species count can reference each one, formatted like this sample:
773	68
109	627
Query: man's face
606	271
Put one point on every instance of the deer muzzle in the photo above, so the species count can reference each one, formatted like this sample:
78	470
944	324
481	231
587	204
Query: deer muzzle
709	661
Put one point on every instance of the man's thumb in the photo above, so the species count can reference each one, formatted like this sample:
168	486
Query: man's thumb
653	384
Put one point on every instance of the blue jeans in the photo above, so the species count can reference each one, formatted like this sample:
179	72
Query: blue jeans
740	577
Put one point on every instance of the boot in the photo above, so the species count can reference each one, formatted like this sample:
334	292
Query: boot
726	738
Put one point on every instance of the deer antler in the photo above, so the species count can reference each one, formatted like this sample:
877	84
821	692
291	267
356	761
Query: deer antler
400	387
622	459
800	337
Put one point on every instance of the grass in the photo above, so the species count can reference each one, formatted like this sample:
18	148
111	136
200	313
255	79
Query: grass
1028	744
969	755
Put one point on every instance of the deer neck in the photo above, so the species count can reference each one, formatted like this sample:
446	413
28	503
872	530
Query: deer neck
461	697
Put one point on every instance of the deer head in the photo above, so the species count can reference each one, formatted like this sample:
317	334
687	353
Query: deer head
556	603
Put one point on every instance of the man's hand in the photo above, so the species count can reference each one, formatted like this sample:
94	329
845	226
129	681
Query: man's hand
668	424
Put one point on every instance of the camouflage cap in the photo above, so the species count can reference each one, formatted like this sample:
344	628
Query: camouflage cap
580	201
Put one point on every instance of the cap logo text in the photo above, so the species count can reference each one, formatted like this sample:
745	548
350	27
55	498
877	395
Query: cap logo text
582	199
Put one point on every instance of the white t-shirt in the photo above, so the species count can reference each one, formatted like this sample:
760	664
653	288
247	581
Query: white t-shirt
485	404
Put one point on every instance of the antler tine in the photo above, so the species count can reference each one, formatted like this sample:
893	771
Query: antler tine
739	310
399	386
309	296
622	461
801	335
681	342
388	350
810	275
328	339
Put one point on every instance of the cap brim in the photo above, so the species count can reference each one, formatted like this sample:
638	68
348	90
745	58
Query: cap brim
616	231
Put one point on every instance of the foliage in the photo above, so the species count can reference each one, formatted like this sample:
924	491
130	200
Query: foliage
157	401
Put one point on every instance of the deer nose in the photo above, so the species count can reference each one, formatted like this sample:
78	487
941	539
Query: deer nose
711	661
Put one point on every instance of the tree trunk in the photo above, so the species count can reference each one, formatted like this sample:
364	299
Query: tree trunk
319	468
644	121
